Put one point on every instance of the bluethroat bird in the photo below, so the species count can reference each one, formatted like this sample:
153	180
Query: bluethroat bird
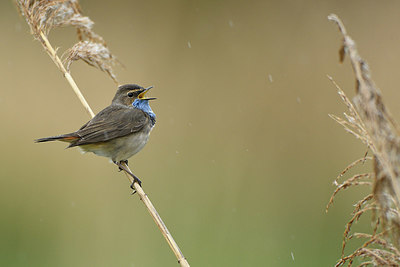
120	130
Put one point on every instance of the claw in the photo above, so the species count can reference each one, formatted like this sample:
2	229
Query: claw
122	161
133	187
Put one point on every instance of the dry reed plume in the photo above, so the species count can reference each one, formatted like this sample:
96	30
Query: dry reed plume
370	121
44	15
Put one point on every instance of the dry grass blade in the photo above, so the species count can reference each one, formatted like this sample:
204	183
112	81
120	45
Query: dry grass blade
353	123
350	127
360	203
353	181
371	122
355	218
94	54
351	165
378	257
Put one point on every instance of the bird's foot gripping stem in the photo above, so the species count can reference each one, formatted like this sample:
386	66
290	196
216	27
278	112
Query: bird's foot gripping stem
122	161
132	185
121	167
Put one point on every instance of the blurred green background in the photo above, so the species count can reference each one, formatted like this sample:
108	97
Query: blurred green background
241	162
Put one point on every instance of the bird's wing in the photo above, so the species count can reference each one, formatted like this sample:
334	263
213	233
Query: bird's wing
112	122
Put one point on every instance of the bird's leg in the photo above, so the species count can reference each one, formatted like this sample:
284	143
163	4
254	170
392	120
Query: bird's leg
135	178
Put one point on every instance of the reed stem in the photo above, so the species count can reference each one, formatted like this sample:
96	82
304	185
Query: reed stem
53	55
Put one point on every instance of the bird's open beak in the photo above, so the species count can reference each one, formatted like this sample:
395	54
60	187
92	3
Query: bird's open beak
141	96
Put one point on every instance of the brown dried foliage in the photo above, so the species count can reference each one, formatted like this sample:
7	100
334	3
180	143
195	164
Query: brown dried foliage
371	122
44	15
94	54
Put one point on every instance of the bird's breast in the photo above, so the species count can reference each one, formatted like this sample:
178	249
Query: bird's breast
121	148
131	144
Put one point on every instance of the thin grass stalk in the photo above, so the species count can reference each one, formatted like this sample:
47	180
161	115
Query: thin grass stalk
53	54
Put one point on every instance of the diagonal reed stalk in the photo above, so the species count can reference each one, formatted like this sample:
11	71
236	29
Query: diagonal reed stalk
53	55
43	15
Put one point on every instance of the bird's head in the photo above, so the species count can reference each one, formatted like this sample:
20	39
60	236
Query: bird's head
128	93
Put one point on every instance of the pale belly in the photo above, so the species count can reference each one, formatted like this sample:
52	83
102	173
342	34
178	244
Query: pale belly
121	148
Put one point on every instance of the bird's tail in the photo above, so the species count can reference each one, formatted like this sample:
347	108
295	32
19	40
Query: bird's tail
64	138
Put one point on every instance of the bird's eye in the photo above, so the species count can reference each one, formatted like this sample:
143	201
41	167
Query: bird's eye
130	94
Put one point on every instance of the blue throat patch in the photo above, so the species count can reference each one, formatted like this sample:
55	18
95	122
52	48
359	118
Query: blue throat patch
143	104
